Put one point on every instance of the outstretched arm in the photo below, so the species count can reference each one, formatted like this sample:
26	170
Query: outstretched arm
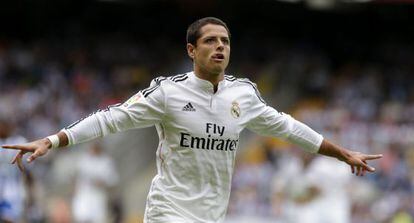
357	160
38	148
140	111
265	120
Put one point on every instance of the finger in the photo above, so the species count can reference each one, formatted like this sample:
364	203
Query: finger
17	147
33	157
358	170
361	171
369	168
352	169
20	163
13	161
18	155
364	170
372	157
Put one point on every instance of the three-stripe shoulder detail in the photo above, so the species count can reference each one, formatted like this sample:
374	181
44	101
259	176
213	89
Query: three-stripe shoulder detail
151	89
179	77
230	78
257	92
158	80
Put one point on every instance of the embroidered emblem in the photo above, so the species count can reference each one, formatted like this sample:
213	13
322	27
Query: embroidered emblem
235	109
132	100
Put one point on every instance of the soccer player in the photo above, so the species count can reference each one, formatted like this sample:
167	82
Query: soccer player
198	116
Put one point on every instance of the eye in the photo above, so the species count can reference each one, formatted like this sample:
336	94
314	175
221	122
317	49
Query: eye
226	41
209	40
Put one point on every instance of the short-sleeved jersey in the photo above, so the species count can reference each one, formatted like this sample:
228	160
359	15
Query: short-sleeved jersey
198	138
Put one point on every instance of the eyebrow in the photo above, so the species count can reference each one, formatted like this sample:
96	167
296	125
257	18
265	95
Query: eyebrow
206	37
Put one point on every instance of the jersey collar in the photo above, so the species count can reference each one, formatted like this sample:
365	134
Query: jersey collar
204	84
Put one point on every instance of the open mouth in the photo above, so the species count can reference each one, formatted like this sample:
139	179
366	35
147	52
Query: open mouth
218	57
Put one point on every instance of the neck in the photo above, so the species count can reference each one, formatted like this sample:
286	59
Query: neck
213	78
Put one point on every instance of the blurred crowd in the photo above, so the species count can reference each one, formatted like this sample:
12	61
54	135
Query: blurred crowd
365	104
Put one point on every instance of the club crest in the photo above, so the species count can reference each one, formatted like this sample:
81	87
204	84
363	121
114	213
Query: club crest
235	109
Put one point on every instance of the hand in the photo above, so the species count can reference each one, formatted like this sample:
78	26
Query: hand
358	162
37	148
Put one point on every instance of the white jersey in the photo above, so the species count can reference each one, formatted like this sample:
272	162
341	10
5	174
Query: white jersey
198	138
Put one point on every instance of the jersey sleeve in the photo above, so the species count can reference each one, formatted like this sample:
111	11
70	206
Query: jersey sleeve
143	109
265	120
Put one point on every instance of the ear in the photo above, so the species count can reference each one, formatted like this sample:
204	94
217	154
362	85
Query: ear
190	50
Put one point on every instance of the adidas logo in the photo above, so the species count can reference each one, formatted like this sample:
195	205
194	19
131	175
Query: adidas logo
188	107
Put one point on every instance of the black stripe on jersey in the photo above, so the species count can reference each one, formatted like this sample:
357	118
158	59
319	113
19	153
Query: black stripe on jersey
230	78
149	90
99	110
176	78
77	122
173	78
157	81
180	79
254	87
111	106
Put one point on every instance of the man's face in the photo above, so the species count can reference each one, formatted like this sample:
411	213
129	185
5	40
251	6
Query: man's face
212	53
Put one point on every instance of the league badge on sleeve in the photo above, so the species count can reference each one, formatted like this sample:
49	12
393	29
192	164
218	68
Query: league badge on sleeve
235	109
132	100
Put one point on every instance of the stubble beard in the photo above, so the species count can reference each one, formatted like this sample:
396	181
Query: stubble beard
211	70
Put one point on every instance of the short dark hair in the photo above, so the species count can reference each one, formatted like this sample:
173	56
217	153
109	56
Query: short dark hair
193	31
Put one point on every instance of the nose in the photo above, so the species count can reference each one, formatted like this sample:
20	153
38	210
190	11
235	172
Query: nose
220	45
